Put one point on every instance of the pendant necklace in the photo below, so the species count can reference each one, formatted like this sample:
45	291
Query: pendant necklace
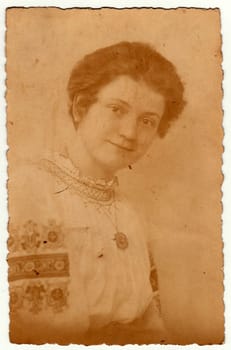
99	192
120	238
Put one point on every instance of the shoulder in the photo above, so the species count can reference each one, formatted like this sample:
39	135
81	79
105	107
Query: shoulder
31	212
31	191
34	224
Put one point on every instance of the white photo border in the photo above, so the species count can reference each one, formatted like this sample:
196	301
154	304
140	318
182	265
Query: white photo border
225	9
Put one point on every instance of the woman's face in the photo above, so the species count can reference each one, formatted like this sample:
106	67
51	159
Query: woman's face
120	126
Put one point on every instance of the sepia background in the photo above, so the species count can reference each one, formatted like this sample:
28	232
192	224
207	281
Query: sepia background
177	184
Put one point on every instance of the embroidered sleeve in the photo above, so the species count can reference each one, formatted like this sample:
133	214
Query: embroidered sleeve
32	237
38	267
154	282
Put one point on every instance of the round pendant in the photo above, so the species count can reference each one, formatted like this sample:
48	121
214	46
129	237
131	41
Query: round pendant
121	240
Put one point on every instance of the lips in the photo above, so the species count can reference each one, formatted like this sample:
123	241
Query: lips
128	149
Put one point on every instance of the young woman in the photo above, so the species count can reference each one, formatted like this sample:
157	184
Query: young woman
80	265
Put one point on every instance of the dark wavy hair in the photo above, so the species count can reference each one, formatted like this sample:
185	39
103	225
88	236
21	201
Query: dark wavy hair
136	60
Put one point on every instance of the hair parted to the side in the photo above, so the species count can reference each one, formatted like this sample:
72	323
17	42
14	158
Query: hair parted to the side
136	60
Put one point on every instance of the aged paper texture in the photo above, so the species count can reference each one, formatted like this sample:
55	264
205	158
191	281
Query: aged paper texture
90	93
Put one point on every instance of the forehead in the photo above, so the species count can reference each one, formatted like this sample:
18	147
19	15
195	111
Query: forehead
135	93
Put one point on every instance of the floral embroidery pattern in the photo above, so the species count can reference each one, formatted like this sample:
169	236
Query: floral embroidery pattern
31	237
35	296
41	265
57	297
154	279
38	296
53	235
38	270
156	298
16	299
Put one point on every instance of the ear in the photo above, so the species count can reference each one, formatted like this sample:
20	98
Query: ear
77	110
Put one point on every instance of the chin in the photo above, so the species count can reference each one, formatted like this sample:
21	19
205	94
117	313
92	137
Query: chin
113	165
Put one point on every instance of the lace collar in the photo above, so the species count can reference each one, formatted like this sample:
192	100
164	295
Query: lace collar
63	168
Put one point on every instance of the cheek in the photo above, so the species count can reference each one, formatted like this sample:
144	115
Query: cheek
102	124
91	125
145	140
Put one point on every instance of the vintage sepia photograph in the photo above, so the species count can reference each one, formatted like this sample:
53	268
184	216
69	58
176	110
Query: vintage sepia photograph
114	126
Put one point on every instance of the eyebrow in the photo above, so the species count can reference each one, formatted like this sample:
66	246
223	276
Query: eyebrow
121	101
126	104
155	114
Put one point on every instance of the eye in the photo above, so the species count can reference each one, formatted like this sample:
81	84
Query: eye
116	109
149	121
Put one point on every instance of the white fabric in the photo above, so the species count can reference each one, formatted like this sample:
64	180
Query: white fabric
106	284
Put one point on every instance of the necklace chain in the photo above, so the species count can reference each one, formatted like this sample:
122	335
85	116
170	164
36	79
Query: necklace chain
98	193
107	212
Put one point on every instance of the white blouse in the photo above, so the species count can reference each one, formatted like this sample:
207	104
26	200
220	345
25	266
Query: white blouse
69	272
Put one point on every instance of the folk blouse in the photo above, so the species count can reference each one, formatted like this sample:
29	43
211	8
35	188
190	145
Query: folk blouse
79	262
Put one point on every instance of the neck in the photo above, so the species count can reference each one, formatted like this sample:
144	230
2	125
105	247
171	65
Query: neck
87	165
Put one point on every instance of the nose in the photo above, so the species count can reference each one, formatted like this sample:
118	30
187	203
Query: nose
128	128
